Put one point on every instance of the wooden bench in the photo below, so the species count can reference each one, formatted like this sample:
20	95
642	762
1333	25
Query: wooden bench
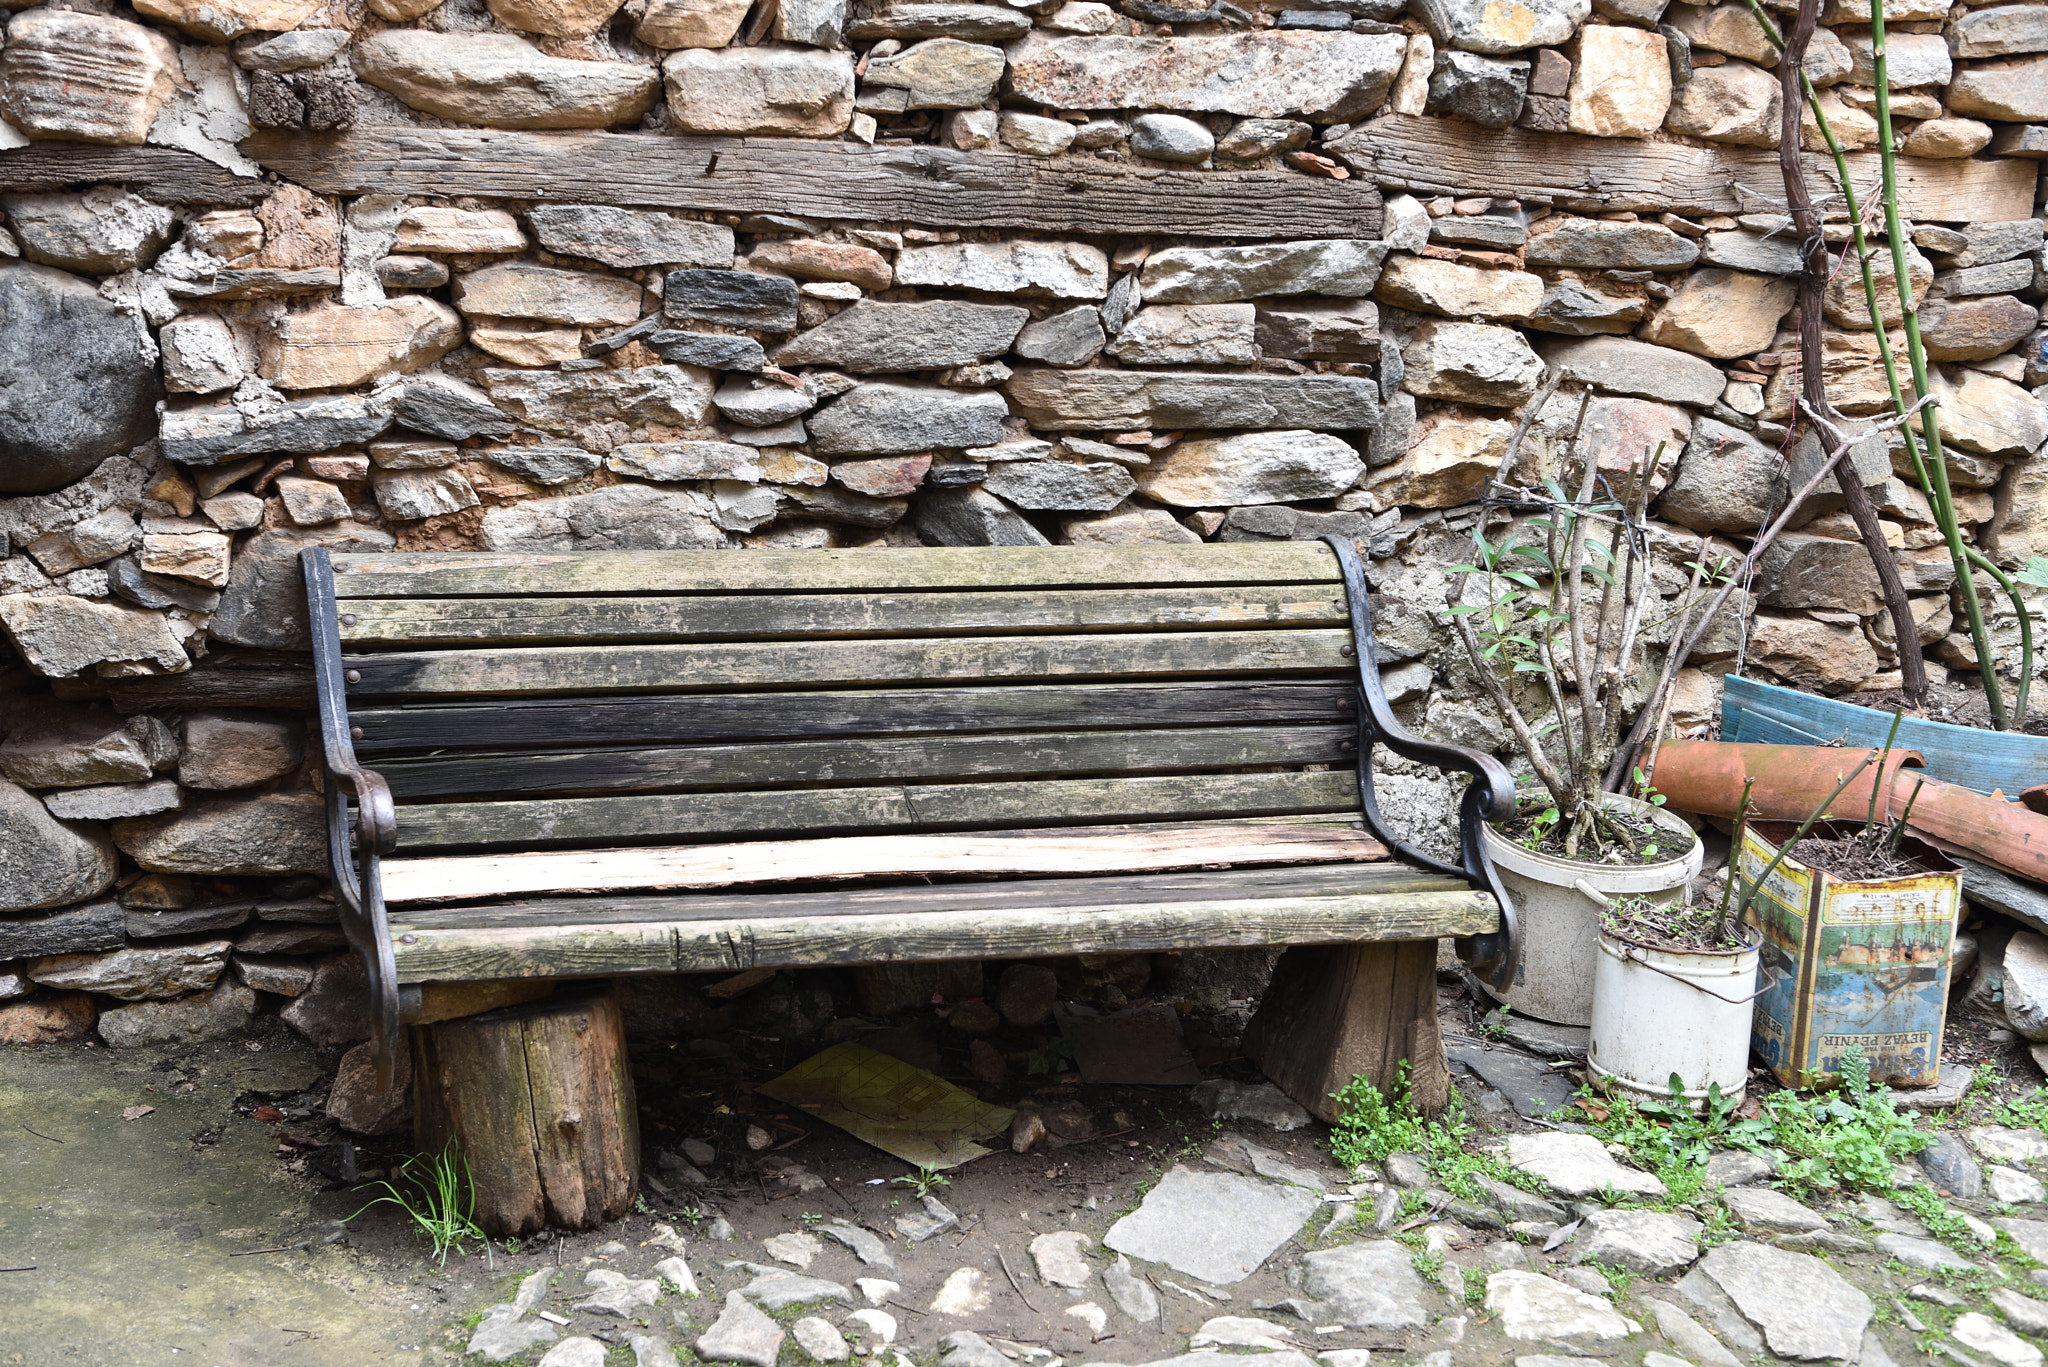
597	764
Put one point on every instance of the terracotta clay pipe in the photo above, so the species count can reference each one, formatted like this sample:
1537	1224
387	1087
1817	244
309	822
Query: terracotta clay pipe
1791	780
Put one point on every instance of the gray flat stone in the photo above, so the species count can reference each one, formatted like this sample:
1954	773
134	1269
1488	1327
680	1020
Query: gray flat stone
73	930
872	336
1577	1165
1222	1099
506	1332
1925	1254
766	303
1689	1336
2002	1145
965	1348
1805	1308
546	464
1761	1210
1949	1164
1218	1227
2030	1235
1734	1168
1133	1295
742	1334
1528	1306
1643	1241
1546	1040
777	1288
866	1245
1370	1285
1533	1089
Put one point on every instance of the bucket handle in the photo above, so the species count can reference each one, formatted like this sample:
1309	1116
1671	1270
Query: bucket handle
1634	954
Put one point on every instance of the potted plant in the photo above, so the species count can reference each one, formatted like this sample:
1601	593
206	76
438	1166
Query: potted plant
1555	632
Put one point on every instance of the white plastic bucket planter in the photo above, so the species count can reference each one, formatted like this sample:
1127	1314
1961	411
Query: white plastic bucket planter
1662	1011
1553	980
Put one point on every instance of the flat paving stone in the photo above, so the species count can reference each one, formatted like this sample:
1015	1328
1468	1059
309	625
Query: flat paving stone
1536	1090
741	1334
1689	1336
1578	1165
1528	1306
1367	1285
1734	1168
1955	1079
2012	1187
2002	1145
1925	1254
866	1245
1132	1294
1980	1333
1647	1242
2030	1235
1761	1210
1215	1226
1062	1258
1805	1308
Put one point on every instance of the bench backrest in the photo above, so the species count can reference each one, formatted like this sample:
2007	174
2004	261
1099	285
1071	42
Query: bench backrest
556	701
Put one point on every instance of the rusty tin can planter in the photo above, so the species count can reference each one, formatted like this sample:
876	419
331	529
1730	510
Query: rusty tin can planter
1851	963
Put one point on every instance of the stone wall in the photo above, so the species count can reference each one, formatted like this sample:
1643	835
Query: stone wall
554	274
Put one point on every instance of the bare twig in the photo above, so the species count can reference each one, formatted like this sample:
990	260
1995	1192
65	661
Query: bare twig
40	1135
1015	1285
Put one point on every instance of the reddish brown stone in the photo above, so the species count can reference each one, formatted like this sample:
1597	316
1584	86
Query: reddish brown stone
49	1019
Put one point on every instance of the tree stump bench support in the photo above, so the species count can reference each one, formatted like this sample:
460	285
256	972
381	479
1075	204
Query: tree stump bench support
597	764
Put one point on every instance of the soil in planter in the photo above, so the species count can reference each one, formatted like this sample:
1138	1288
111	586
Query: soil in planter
1670	925
1853	859
1654	843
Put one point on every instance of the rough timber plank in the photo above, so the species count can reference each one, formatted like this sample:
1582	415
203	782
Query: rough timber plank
1453	157
534	621
527	773
626	669
162	173
835	935
931	186
1099	849
471	574
538	823
504	723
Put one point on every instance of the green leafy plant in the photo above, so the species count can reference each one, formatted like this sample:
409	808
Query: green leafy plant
1847	1138
1054	1054
1371	1126
1671	1139
1494	1024
2029	1112
438	1195
924	1181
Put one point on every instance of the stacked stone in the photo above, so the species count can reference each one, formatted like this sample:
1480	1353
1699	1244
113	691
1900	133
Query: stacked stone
196	383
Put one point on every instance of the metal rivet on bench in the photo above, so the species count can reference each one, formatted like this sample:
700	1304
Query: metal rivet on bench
1347	745
348	619
408	939
355	733
354	676
1348	651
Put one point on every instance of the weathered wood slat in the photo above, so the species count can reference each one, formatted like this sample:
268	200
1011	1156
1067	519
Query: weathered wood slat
1103	849
924	185
497	724
424	574
1452	157
761	617
227	677
544	823
164	174
1115	925
918	759
627	669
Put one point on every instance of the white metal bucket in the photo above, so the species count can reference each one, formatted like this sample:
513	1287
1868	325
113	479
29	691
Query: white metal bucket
1659	1011
1553	980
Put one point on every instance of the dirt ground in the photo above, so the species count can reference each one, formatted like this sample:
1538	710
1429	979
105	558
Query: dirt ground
205	1230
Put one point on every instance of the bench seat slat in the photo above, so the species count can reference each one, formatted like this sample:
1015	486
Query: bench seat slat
1102	849
544	823
496	574
763	617
607	669
1123	920
499	724
921	758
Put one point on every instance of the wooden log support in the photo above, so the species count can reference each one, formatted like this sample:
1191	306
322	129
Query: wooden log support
1335	1012
930	186
164	174
539	1100
1571	171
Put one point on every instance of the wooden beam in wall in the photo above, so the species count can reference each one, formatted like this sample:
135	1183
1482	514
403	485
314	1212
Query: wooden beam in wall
1571	171
920	185
163	174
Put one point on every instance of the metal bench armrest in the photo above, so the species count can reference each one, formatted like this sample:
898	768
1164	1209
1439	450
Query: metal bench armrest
354	850
1489	797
